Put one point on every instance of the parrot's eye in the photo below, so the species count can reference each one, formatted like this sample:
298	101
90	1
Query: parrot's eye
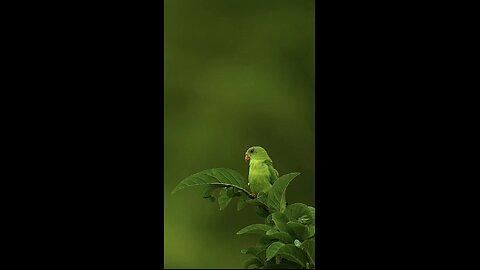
251	151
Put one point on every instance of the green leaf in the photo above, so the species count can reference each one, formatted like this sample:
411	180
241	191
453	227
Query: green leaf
272	231
297	243
265	241
230	192
207	190
251	262
285	237
233	192
292	253
312	214
262	255
298	210
309	247
217	176
305	219
223	199
300	231
255	228
312	211
276	196
311	231
240	204
280	220
263	198
269	220
272	249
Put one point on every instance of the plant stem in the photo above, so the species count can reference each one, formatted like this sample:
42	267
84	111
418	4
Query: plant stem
237	187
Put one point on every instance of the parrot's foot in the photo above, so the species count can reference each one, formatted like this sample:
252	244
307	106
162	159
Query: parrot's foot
253	194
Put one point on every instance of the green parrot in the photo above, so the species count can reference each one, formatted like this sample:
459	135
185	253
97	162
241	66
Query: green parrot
261	173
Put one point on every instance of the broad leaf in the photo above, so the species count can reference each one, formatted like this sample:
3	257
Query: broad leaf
311	231
207	191
312	214
262	255
285	237
272	231
276	196
312	211
269	220
217	176
298	210
240	204
265	241
309	247
300	231
255	228
292	253
263	198
233	192
280	220
305	219
272	249
223	199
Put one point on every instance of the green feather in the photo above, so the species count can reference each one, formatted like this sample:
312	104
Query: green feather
261	173
273	172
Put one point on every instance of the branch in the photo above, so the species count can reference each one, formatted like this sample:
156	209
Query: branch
237	187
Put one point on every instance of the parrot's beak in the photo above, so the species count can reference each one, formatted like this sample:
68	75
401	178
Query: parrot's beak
247	157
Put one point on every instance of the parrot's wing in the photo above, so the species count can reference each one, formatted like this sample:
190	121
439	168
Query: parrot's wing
273	172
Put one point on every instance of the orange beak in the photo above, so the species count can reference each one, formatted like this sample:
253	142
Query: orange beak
247	157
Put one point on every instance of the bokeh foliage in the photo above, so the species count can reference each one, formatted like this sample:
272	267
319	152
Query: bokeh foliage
237	73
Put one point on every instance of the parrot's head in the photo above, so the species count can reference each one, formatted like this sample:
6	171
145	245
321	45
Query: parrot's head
256	152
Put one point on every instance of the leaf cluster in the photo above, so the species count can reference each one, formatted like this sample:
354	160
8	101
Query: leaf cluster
287	239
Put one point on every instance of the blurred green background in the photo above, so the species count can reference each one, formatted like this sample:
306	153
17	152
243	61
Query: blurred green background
238	73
